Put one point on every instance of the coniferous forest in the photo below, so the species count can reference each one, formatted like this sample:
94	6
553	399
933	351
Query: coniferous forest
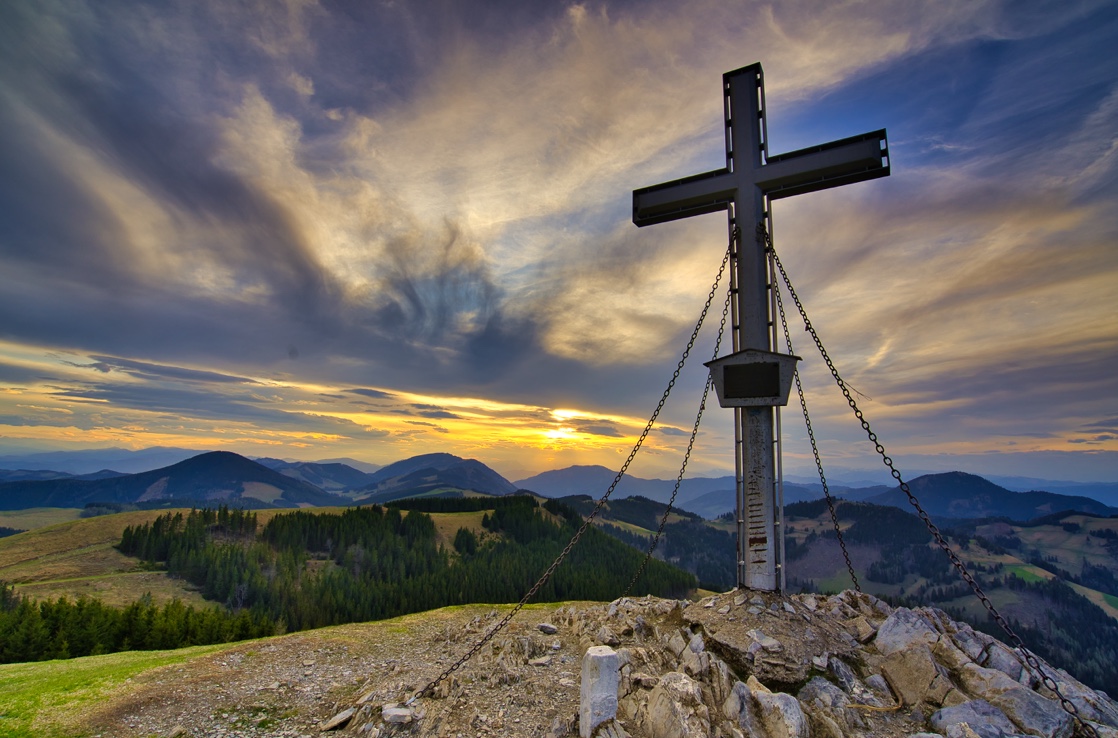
307	570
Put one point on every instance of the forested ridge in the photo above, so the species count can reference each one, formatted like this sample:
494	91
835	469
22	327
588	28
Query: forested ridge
307	570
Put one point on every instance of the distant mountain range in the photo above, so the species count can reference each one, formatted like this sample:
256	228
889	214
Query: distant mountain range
226	477
217	477
961	495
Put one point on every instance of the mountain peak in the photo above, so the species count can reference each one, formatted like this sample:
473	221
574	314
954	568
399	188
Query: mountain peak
800	665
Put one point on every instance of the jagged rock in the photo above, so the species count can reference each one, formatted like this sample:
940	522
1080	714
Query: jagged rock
766	642
822	693
606	637
779	714
1091	705
547	628
676	710
982	682
676	644
982	718
950	655
910	673
541	661
397	715
1001	658
904	629
178	732
860	628
739	708
339	720
612	729
941	686
877	683
1033	714
598	697
702	697
843	674
971	642
695	664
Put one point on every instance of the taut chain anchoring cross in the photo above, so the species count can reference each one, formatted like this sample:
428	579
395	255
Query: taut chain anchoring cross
750	383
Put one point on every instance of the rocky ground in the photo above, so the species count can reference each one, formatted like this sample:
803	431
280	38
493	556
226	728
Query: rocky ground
732	665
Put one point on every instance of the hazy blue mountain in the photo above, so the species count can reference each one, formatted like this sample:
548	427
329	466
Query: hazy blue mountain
335	478
29	475
713	504
595	480
421	474
961	495
218	476
365	466
92	460
1104	492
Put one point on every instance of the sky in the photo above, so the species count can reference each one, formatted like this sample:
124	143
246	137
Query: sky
372	229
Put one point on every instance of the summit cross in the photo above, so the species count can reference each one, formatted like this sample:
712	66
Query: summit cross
744	188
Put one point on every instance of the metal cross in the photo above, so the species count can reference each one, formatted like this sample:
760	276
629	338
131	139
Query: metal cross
744	187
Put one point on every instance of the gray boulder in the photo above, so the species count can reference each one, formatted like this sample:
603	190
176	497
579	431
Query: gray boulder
1034	714
980	716
904	629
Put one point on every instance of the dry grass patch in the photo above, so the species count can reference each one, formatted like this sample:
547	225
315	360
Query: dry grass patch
447	525
38	517
117	590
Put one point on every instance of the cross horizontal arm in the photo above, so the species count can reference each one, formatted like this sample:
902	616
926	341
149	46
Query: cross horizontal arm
841	162
698	194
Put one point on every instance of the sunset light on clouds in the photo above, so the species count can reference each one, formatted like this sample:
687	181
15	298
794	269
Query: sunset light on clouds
373	229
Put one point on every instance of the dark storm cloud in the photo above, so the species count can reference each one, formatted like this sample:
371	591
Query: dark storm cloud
16	374
598	430
375	394
111	96
147	370
210	405
428	411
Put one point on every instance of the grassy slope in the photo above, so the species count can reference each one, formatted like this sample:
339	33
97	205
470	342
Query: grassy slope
77	557
66	699
828	569
50	698
37	517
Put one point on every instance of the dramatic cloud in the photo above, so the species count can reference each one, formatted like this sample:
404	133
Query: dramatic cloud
302	224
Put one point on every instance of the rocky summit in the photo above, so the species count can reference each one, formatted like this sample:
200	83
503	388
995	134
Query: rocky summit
731	665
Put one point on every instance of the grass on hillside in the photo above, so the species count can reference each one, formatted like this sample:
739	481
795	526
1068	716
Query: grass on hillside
65	699
1028	573
46	699
77	557
37	517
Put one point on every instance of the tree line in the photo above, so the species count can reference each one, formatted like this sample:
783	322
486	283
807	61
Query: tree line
61	629
306	569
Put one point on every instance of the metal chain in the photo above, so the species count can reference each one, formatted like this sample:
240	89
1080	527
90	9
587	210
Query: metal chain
597	507
1030	658
686	456
811	438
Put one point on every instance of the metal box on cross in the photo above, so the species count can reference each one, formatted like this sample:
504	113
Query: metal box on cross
753	378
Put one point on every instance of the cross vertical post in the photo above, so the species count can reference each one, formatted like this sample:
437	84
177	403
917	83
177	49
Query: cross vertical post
744	188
